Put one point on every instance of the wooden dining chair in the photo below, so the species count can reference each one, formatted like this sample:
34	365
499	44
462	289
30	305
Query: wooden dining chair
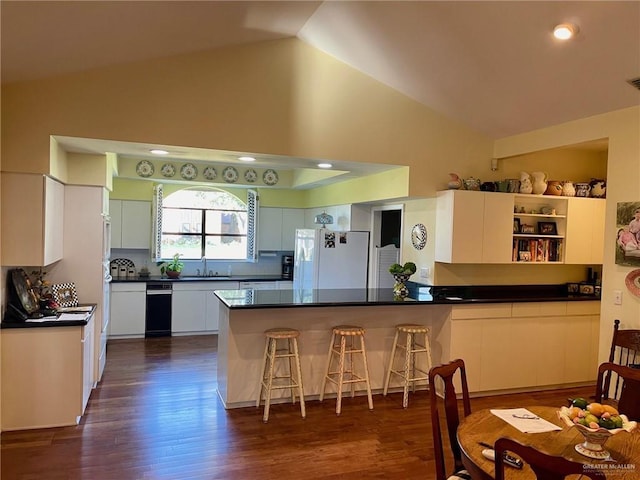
545	467
627	400
447	373
625	350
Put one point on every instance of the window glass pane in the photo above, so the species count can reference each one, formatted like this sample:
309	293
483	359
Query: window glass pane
226	222
187	245
181	221
226	247
205	199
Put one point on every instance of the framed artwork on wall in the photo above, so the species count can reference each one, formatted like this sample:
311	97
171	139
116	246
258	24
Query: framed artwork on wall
628	233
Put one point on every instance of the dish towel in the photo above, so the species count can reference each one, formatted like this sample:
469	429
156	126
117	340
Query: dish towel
525	421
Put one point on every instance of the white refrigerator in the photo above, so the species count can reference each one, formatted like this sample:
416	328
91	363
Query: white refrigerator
327	259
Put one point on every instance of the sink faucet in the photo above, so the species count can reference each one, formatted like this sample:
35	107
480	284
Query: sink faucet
204	272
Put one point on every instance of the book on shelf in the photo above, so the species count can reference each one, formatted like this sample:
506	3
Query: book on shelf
537	250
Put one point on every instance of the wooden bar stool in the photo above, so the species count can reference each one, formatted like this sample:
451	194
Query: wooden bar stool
410	368
341	350
271	353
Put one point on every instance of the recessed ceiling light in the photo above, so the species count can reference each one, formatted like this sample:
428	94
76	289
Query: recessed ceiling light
565	31
247	159
157	151
324	165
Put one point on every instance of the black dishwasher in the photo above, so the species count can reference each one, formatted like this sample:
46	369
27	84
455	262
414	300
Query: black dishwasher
158	315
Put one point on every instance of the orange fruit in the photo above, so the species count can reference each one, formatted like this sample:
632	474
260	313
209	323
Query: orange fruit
610	409
596	409
573	412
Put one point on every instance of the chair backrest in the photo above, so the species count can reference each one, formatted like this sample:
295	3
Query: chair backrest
446	373
546	467
628	401
625	350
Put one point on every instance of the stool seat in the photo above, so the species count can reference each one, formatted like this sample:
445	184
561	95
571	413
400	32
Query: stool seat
342	350
282	333
409	372
348	330
272	353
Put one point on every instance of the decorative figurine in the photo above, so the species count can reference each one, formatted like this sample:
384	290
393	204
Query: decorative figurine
598	188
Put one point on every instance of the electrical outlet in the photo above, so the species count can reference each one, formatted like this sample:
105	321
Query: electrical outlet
424	272
617	297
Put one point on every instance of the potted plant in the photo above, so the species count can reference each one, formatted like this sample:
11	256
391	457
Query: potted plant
173	267
401	274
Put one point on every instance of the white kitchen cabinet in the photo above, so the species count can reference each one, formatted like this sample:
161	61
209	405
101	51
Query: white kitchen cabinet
525	345
49	387
130	223
585	231
194	307
473	227
128	307
277	228
32	219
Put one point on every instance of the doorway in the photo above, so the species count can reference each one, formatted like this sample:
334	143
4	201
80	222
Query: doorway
386	231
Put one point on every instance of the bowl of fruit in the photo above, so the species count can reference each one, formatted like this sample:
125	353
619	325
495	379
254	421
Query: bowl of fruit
596	422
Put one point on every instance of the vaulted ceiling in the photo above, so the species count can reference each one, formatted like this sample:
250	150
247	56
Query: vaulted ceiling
493	66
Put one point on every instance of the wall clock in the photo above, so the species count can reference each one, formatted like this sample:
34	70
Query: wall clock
419	236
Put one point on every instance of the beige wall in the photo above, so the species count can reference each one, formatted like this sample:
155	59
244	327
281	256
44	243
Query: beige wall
280	97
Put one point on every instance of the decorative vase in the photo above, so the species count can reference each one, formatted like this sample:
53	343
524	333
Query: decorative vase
400	289
525	183
598	188
172	273
554	187
454	182
539	183
582	189
568	190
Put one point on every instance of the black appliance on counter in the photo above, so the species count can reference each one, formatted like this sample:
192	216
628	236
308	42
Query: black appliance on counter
158	315
287	267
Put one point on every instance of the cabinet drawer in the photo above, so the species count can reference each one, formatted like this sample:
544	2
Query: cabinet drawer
539	309
463	312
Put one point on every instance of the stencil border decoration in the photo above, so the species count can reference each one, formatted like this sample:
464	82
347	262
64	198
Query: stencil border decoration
230	175
209	173
168	170
251	175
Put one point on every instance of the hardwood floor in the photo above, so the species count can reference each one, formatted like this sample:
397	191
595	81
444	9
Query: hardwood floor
156	415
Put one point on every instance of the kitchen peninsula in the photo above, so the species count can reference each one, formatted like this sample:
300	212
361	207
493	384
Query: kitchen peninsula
511	337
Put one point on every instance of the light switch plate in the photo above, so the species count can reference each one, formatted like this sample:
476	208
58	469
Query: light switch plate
424	272
617	297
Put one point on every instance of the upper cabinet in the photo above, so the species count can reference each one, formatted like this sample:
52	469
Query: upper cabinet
130	223
277	228
488	227
585	231
32	219
473	227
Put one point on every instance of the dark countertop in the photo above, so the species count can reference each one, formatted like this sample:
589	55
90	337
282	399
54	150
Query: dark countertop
219	278
418	295
51	323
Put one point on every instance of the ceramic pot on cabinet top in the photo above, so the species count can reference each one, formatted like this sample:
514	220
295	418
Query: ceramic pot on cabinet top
554	187
525	183
539	182
582	189
598	188
568	190
454	182
472	183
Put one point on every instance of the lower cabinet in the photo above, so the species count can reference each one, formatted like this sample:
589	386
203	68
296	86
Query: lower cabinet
523	345
50	386
128	308
195	307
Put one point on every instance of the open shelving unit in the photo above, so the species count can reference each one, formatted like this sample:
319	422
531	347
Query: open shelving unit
539	229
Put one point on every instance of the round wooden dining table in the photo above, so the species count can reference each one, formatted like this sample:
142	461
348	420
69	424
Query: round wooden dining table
483	426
